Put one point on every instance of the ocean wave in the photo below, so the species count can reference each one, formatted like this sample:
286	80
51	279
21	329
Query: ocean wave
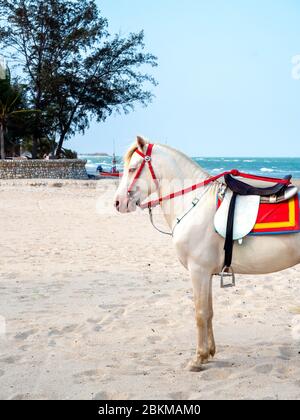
276	167
217	170
267	170
209	160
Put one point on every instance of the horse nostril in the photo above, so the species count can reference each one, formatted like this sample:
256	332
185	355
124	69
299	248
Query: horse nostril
117	205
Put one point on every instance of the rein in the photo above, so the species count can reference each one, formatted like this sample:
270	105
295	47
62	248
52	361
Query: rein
147	159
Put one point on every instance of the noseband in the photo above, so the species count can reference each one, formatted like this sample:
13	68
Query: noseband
147	159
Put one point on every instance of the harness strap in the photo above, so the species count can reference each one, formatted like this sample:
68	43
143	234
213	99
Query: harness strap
228	246
234	172
138	174
147	159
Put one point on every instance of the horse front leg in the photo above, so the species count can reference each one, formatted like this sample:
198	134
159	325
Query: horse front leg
211	338
205	342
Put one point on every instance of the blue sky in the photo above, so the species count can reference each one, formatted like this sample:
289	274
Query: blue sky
225	77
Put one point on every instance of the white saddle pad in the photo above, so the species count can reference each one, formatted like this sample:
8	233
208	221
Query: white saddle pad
246	211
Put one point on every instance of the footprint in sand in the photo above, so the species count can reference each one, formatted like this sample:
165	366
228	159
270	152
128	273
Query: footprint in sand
93	320
283	372
97	328
66	330
10	360
52	343
286	353
178	396
112	317
157	297
89	375
70	328
20	397
153	340
215	374
25	334
100	396
162	321
264	369
28	397
297	383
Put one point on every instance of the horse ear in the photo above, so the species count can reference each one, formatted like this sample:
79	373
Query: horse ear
141	143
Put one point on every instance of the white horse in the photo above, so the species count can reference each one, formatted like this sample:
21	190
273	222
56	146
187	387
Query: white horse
199	247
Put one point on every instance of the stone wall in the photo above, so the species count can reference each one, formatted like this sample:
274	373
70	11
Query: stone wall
43	169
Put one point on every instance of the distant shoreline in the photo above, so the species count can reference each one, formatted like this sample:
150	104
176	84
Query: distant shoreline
272	167
94	154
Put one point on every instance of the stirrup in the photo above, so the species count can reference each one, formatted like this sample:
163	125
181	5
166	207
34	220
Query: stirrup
227	272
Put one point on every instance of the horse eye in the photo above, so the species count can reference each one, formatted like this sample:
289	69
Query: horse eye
132	170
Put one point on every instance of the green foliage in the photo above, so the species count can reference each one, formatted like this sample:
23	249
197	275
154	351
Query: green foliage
73	68
47	147
69	154
15	120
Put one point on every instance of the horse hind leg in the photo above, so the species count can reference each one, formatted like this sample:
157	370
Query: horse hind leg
211	338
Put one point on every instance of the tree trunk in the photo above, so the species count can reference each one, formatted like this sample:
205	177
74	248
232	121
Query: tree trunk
37	128
34	147
60	145
2	144
36	137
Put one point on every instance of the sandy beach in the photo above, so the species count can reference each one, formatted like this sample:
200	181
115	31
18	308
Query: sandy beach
94	305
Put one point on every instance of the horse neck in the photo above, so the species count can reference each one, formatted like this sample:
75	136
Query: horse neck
178	172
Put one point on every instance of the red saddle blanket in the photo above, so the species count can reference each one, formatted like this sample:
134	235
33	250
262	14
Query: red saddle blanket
276	219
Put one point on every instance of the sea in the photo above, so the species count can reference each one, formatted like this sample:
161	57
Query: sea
274	167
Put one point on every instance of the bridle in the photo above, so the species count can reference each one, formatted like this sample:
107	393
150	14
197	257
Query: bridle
147	160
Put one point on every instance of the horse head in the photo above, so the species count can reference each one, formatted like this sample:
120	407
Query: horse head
139	178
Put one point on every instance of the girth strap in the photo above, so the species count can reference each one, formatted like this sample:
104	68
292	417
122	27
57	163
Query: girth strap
228	247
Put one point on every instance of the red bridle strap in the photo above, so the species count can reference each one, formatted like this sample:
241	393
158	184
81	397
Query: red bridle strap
147	158
208	181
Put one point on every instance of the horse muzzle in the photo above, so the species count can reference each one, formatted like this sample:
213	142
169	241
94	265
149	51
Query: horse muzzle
126	204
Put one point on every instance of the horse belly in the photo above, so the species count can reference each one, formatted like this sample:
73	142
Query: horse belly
266	254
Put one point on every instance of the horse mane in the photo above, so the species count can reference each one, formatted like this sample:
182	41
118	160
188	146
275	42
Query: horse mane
181	154
175	152
128	155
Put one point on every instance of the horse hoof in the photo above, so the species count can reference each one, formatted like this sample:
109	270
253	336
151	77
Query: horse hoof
212	352
197	365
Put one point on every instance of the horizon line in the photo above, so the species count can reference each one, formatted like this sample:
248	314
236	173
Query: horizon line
205	157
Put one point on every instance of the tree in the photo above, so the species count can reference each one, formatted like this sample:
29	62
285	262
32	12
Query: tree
15	119
74	69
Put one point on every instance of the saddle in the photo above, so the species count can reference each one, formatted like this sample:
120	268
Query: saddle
241	201
272	194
